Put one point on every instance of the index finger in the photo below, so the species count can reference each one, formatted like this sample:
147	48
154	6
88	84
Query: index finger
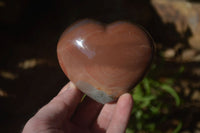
62	106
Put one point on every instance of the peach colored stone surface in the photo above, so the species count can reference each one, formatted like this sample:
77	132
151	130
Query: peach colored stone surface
105	61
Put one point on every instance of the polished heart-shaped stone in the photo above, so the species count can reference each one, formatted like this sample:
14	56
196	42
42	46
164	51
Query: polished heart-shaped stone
105	61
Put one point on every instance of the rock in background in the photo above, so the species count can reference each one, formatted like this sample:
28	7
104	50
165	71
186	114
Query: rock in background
185	16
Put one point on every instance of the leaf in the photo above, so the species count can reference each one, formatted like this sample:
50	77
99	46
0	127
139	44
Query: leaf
155	110
147	85
129	130
138	94
178	128
138	114
172	92
151	126
146	101
154	83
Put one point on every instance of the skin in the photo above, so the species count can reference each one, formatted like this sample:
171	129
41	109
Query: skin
66	114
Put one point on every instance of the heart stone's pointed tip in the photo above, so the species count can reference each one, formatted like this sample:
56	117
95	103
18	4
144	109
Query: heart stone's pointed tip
94	93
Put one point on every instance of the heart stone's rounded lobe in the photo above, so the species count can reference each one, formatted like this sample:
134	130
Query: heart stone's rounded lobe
105	61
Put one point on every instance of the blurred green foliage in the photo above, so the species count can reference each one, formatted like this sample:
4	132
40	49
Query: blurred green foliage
152	102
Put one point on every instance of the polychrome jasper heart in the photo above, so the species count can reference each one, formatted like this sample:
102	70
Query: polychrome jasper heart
105	61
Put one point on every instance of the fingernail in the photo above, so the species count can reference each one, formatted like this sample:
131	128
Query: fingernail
127	98
71	85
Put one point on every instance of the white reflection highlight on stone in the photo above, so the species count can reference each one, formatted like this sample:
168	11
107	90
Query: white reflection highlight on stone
80	44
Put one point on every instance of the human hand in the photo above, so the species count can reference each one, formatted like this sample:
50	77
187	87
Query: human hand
66	114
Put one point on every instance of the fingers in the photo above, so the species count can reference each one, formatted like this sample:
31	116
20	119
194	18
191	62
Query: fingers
114	117
104	118
87	112
62	106
121	115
